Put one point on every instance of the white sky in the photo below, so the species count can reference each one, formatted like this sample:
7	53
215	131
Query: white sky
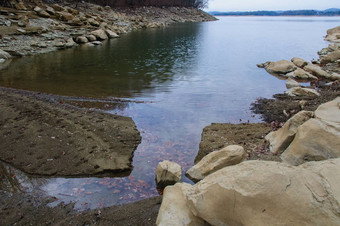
253	5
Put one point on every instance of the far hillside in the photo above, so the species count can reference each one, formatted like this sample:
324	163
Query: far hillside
327	12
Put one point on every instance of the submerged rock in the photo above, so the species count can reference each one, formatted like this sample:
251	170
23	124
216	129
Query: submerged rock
168	173
228	156
318	138
279	140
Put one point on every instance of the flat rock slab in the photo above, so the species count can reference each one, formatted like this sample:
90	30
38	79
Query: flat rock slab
41	137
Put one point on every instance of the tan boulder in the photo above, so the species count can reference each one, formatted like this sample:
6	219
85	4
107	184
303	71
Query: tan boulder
91	38
50	10
290	83
20	6
65	16
111	34
301	74
174	210
299	62
299	91
269	193
41	12
279	140
57	7
228	156
320	73
318	138
330	58
93	22
100	34
168	173
280	67
81	40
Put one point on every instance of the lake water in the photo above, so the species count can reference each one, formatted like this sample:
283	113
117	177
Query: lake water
179	79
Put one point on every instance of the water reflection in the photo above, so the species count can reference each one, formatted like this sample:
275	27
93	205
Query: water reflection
137	63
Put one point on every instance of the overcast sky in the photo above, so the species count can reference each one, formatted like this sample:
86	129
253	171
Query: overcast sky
251	5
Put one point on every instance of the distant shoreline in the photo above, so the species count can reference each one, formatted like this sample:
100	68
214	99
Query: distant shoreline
307	12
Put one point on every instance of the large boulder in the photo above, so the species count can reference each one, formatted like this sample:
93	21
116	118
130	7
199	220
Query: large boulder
299	62
100	34
318	138
301	75
299	91
269	193
281	67
228	156
279	140
174	210
320	73
168	173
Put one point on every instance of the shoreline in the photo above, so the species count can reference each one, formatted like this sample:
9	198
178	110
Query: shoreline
35	29
143	212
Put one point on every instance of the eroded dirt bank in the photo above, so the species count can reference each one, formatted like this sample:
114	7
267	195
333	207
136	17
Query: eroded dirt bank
44	137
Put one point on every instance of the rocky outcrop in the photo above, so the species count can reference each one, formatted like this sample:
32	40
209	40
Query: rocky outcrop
168	173
331	57
174	210
301	75
333	35
299	91
228	156
279	140
320	73
261	193
318	138
280	67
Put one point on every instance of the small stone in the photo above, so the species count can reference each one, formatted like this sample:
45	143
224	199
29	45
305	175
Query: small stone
168	173
111	34
91	38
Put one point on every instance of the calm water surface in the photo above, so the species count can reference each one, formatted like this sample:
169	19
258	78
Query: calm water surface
180	79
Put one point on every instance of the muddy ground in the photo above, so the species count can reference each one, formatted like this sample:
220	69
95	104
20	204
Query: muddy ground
26	209
42	136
